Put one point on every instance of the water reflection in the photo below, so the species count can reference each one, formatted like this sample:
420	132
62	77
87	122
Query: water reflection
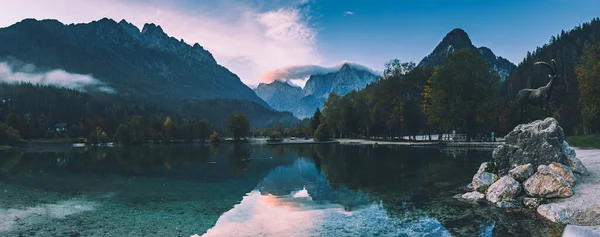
254	190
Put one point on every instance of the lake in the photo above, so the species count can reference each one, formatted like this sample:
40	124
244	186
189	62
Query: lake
248	190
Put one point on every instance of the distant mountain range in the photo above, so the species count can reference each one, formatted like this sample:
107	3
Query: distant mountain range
146	64
458	39
303	102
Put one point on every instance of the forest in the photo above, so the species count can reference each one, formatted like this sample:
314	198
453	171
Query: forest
463	95
42	112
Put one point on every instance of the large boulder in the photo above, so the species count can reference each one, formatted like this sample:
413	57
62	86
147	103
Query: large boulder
539	142
505	188
521	172
564	171
483	180
547	183
486	167
572	160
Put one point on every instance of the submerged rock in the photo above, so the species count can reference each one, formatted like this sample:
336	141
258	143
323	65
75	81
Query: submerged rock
564	171
539	142
572	160
483	180
505	188
509	203
532	202
521	172
547	183
473	196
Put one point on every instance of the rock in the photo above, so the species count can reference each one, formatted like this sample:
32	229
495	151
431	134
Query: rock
483	180
572	160
473	196
505	188
486	167
547	183
576	231
564	171
538	143
532	202
555	214
521	172
509	203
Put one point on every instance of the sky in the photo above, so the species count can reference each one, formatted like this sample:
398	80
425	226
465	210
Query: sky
258	38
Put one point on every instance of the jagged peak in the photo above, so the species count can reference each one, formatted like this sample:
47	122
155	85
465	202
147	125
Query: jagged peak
152	28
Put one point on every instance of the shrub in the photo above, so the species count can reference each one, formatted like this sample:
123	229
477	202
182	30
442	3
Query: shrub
322	133
8	135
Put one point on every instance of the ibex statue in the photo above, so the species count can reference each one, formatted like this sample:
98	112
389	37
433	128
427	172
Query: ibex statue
540	96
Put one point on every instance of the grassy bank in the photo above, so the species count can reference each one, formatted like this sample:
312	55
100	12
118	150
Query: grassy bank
592	141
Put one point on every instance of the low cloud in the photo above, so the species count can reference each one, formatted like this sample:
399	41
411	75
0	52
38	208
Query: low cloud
300	73
14	71
348	13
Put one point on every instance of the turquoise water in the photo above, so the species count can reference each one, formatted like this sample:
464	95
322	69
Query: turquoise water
247	190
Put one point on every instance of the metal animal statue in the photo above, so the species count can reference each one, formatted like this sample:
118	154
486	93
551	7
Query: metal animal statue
540	96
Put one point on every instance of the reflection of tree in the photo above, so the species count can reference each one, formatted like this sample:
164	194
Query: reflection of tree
239	158
9	160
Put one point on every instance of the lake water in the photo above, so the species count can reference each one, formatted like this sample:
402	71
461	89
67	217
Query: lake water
248	190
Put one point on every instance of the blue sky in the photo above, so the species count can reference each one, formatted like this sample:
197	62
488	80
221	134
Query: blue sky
257	39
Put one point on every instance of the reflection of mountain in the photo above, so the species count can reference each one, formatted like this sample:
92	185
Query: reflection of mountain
303	174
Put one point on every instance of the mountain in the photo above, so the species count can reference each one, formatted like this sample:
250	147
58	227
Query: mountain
458	39
146	64
280	95
303	103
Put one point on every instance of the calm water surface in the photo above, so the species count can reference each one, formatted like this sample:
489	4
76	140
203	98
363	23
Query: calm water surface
247	190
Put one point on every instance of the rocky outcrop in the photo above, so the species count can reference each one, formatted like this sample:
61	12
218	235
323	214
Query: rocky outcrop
483	180
505	188
537	143
536	159
547	183
521	172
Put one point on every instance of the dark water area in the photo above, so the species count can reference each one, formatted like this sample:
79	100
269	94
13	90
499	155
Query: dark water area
248	190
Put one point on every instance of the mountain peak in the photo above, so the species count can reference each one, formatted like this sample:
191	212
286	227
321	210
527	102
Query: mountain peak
152	28
346	66
457	38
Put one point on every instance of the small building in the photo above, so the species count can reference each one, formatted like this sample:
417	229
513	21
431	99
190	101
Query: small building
60	127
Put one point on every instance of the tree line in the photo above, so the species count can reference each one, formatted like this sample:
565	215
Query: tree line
463	95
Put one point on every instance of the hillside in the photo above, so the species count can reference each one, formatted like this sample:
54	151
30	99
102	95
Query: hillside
146	64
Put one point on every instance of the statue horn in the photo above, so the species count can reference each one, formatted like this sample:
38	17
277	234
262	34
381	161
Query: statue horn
546	65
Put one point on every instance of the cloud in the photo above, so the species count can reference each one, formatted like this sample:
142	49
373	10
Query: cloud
246	38
300	73
13	71
348	13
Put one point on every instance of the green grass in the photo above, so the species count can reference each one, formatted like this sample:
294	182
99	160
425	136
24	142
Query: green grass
584	141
